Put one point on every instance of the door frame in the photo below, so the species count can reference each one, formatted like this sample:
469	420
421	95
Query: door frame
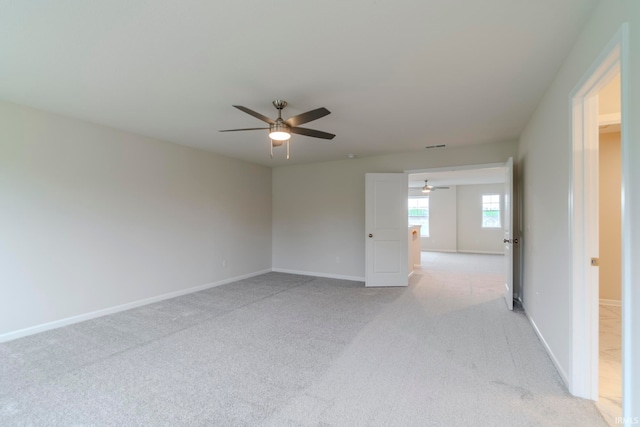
510	238
583	218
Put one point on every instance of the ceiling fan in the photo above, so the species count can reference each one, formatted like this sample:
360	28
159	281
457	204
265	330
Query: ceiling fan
429	188
280	130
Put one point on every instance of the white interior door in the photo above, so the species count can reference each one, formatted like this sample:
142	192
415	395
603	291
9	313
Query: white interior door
509	238
386	222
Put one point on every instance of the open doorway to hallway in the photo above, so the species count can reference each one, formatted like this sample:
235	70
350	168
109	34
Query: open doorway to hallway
464	211
461	212
610	246
586	222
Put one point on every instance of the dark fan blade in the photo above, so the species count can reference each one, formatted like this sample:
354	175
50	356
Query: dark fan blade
439	188
255	114
307	117
236	130
312	132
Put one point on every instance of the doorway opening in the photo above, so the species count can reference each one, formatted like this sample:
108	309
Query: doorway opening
465	211
598	283
610	245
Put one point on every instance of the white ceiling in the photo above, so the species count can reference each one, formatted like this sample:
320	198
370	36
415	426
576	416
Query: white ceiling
396	75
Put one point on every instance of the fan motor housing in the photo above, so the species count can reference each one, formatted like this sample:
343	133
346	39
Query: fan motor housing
282	127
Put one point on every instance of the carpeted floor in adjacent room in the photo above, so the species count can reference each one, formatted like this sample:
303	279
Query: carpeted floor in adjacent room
289	350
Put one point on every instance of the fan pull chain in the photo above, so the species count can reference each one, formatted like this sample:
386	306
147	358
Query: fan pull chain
271	144
288	148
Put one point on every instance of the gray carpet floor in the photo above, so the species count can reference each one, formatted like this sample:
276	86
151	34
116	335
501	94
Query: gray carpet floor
290	350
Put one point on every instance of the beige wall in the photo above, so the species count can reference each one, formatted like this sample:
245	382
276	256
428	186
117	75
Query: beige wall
610	217
609	98
92	218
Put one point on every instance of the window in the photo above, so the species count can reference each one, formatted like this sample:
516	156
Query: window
419	214
491	211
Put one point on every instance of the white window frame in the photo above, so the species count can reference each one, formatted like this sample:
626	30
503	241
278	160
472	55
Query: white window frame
491	201
425	229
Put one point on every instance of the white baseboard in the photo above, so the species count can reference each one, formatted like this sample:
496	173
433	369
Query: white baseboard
453	251
8	336
314	274
563	374
612	302
481	252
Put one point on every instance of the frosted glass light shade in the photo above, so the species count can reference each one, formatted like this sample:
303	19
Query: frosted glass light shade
279	135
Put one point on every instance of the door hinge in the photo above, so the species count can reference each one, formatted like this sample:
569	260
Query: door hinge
595	262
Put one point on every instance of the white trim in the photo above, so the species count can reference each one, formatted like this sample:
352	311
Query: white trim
446	251
611	302
552	356
457	168
609	119
583	214
630	387
314	274
8	336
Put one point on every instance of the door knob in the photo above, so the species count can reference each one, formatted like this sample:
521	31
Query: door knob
370	235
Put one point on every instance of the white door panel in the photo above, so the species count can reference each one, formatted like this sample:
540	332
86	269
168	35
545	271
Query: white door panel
386	221
509	239
386	259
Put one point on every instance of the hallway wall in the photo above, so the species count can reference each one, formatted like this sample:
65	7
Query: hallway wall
610	217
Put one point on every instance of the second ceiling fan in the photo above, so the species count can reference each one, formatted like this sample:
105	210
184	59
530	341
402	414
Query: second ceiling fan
429	188
280	130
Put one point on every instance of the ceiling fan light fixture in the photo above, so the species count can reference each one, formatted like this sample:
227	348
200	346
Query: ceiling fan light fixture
279	132
426	190
279	136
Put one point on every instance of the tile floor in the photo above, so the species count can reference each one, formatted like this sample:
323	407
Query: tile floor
610	386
